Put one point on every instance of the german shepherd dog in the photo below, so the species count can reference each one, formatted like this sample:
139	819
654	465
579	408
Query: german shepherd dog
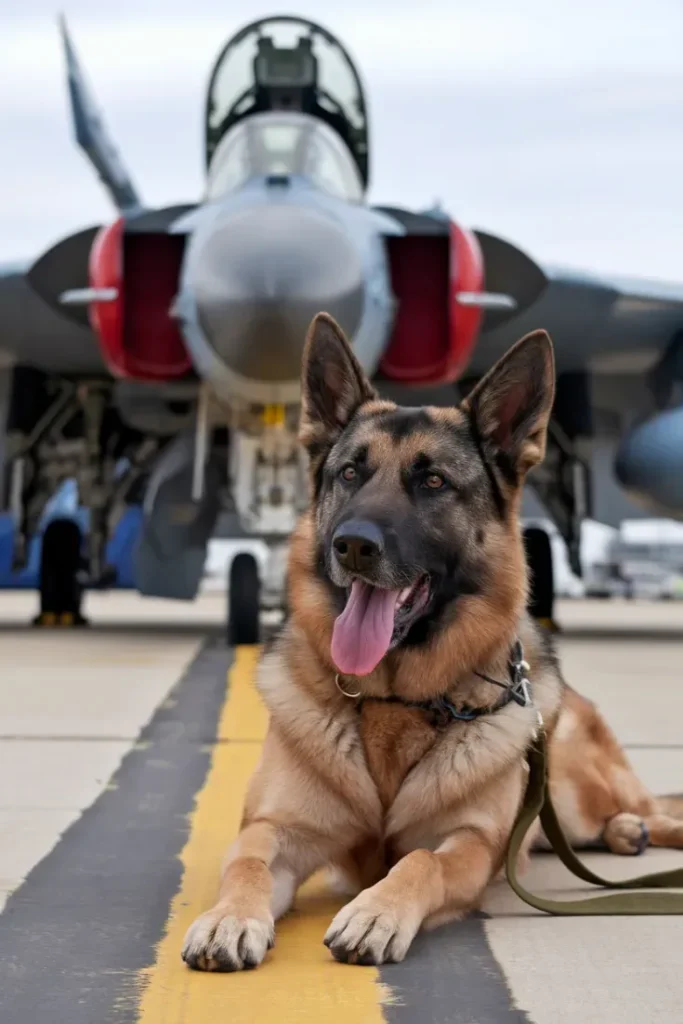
407	592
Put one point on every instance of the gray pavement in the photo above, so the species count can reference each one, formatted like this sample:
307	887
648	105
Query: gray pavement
73	704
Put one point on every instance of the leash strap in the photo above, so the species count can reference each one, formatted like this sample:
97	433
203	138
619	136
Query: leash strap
537	803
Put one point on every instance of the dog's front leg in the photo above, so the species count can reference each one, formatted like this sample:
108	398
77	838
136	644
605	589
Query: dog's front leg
260	875
379	925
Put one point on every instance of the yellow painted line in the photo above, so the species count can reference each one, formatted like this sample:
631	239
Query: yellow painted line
244	716
298	983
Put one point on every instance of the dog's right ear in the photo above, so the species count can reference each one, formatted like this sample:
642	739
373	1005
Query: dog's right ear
333	385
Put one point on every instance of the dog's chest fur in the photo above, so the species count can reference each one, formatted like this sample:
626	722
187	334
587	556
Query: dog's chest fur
394	740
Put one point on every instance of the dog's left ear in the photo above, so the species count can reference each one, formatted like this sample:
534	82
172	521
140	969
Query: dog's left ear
333	385
511	405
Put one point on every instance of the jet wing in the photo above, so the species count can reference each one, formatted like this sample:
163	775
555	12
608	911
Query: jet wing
34	334
598	322
92	135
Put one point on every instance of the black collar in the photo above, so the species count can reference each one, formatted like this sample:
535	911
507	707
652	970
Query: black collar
442	711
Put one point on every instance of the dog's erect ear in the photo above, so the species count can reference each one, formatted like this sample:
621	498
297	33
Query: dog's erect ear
333	385
511	405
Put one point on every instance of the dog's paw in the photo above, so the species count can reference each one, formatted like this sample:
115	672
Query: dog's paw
626	834
222	942
370	932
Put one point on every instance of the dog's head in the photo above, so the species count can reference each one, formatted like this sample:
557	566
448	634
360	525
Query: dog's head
415	510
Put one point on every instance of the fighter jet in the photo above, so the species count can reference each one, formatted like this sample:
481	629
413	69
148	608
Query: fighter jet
159	354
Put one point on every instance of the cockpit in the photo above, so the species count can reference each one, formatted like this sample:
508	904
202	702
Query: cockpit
278	144
284	97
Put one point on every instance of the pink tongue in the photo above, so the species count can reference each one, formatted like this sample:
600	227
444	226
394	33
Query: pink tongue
362	633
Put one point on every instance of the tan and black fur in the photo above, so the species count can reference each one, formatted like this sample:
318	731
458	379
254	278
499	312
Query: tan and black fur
414	817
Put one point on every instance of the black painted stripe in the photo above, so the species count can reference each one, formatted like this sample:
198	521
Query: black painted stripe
87	918
450	976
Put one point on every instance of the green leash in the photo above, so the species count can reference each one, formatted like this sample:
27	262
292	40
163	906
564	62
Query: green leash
537	803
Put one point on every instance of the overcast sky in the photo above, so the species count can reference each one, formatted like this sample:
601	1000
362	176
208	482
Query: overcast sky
557	125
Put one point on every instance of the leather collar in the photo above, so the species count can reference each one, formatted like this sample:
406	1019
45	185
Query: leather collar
442	711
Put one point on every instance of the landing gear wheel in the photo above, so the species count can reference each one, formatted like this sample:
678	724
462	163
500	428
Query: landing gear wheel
244	601
542	585
60	562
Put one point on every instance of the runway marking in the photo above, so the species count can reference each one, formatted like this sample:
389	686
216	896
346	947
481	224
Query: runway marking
75	934
299	982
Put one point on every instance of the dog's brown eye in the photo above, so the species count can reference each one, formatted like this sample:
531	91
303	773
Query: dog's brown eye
348	472
434	481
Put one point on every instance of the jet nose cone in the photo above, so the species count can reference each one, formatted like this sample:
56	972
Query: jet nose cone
261	274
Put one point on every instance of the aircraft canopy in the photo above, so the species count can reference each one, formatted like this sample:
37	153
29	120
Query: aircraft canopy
282	144
287	64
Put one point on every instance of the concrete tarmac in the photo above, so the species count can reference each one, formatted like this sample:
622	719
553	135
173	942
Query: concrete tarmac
125	750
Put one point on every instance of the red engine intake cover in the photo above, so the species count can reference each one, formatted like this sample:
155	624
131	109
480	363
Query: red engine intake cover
138	337
434	335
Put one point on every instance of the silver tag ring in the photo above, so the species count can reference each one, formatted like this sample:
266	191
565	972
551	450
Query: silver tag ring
341	689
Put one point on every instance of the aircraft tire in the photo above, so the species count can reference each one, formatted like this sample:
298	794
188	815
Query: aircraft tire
244	601
60	562
542	585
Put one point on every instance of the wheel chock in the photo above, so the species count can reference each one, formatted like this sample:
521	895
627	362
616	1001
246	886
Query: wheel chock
59	620
45	620
549	624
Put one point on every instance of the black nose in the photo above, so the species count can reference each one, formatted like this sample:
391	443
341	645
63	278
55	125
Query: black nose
358	545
